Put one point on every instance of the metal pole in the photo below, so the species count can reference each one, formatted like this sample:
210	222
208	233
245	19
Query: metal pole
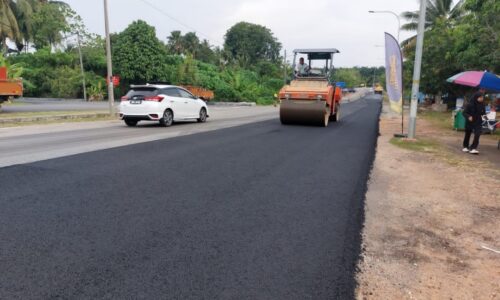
81	67
284	67
373	82
416	70
111	97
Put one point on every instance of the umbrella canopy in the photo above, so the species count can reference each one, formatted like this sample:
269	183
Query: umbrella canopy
479	79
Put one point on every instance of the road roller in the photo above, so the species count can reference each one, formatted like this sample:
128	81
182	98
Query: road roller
311	97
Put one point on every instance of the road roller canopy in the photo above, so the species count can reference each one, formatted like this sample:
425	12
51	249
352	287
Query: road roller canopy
319	62
315	54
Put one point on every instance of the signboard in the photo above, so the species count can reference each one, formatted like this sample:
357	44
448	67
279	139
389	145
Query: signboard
116	80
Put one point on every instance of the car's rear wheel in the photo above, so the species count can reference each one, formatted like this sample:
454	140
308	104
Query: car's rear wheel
203	115
130	123
168	118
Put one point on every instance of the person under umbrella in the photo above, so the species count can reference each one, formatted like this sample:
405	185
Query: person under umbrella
473	113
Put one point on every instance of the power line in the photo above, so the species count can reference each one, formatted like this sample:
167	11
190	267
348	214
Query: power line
179	22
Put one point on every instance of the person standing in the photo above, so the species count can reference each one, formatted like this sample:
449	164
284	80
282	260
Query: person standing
473	113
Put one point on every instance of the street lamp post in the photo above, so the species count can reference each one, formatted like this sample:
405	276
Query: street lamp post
111	96
388	12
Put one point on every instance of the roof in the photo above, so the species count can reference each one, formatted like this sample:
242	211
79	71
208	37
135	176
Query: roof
324	50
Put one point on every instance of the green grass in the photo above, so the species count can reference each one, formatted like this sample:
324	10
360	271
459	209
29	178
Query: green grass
265	101
420	145
441	119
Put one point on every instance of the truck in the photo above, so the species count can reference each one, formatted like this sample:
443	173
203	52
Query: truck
9	87
378	89
312	97
200	92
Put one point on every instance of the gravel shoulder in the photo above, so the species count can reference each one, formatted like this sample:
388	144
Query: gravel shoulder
432	220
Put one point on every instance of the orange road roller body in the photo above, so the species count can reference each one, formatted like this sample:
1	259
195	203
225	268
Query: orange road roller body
311	97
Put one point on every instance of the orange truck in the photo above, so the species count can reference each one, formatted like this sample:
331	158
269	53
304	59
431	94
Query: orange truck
200	92
9	87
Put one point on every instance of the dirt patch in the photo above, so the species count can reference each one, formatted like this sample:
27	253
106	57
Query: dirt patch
429	218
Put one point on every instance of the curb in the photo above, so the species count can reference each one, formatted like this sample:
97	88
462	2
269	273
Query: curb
52	118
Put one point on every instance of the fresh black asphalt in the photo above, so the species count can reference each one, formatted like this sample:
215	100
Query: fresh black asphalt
260	211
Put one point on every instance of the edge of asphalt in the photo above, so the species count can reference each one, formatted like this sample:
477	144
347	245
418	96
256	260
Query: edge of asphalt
83	115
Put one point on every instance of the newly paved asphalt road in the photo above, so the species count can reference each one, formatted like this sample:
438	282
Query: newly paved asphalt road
259	211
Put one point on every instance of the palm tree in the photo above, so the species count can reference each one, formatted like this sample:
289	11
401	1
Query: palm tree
436	10
8	23
24	10
175	42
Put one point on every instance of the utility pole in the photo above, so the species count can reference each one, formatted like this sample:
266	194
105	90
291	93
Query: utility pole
416	70
284	67
373	82
81	67
111	97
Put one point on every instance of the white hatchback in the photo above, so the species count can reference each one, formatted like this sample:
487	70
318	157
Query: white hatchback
163	103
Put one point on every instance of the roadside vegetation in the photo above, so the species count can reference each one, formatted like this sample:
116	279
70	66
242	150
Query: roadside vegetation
458	37
39	42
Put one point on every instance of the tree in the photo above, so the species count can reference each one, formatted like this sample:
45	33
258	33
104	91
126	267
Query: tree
352	77
436	10
248	43
9	28
49	22
175	43
24	11
138	54
191	43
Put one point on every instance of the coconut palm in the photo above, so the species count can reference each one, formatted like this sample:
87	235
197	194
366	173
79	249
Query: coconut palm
175	42
24	10
436	10
8	23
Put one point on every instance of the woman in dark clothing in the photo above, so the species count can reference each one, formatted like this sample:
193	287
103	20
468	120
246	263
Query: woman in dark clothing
473	113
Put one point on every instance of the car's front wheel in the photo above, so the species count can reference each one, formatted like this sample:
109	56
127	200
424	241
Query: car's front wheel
168	118
130	123
203	115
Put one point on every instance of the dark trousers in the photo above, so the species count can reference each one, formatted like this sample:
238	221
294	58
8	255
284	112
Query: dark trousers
477	133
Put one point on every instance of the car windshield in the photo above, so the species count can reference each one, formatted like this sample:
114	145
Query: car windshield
142	92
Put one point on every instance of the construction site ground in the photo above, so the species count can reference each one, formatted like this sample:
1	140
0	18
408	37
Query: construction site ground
432	227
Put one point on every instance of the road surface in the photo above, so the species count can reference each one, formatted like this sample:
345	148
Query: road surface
257	211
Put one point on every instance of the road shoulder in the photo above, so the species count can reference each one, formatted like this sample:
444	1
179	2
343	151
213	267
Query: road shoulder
431	224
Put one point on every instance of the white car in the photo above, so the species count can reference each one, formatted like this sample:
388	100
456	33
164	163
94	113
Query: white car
163	103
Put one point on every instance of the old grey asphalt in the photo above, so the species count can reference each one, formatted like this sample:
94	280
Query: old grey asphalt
259	211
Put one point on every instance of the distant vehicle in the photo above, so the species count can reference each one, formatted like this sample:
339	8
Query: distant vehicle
378	89
9	87
345	90
352	90
165	104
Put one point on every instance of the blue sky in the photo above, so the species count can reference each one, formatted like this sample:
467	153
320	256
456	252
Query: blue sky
345	25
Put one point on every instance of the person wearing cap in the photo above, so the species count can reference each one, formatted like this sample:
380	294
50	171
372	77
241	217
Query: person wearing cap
473	113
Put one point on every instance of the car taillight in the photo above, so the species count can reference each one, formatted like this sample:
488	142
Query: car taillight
154	98
124	98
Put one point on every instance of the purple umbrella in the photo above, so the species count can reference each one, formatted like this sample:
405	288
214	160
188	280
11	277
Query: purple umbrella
479	79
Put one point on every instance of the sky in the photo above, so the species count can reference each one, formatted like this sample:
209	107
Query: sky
342	24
